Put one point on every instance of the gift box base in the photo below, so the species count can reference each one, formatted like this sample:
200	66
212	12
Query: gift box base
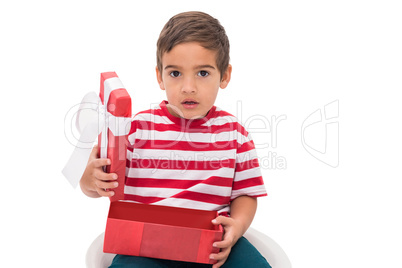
161	232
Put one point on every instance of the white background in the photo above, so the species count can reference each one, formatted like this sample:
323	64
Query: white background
289	58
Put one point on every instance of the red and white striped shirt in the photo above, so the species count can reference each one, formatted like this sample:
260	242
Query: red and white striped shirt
201	164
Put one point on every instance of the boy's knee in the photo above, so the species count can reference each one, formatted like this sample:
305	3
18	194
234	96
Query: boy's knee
124	261
245	255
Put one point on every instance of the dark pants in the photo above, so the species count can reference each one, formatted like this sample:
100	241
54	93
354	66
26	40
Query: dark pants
242	255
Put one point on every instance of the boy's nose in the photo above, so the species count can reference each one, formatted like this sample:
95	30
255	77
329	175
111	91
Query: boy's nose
189	86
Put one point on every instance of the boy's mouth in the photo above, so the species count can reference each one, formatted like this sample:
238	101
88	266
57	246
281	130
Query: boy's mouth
189	104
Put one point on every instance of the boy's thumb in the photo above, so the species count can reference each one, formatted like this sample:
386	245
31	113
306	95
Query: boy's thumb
219	220
95	151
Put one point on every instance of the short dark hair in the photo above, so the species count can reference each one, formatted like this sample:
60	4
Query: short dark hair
198	27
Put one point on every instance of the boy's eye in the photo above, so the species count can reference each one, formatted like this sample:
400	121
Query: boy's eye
175	74
203	73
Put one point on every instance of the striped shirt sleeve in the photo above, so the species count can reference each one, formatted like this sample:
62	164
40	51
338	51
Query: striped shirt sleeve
248	178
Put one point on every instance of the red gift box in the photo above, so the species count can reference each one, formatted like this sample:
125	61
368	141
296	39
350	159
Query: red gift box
113	138
161	232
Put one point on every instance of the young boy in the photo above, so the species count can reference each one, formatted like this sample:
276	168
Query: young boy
187	152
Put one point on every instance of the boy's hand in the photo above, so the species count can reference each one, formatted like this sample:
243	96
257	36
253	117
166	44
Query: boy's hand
95	182
232	233
242	211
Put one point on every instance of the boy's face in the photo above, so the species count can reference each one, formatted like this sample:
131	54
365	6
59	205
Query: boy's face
191	79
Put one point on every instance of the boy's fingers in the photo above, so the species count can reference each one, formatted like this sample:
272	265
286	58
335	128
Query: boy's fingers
221	257
104	192
218	264
106	185
103	176
222	244
103	182
100	162
221	220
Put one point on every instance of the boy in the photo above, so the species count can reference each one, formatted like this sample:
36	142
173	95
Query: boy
187	152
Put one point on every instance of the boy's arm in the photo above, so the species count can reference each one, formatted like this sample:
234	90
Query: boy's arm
242	211
95	182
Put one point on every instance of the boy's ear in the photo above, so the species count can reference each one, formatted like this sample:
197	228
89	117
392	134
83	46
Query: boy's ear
159	78
226	77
